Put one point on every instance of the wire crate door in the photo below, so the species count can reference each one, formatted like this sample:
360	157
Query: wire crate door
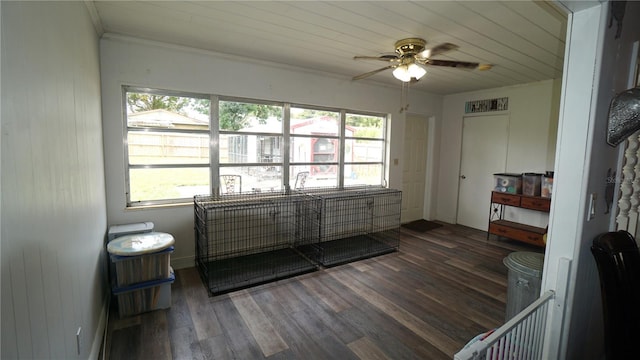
346	217
242	230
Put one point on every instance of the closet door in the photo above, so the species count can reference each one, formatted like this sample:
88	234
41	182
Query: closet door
415	167
484	153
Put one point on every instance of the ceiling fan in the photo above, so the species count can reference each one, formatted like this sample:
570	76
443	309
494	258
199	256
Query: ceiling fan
410	54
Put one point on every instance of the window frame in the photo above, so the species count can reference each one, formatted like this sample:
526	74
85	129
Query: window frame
337	162
383	141
128	166
216	165
214	132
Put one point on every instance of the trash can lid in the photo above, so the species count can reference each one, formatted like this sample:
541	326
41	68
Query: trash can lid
138	244
525	262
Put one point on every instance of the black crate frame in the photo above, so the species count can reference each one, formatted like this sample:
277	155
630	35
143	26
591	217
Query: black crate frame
356	223
244	240
248	239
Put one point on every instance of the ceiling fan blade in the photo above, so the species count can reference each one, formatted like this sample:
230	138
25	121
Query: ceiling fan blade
439	49
365	75
381	57
451	63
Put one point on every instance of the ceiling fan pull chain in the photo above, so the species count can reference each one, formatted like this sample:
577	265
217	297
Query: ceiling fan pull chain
406	107
404	96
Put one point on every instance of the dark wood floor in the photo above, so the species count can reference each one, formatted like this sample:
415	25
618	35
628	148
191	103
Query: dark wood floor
426	301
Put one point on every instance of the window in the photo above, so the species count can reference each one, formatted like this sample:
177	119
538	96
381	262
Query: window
250	144
364	149
179	145
315	146
167	146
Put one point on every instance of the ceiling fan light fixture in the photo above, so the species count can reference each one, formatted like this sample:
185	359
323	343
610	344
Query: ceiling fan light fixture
407	72
424	54
416	71
410	54
402	73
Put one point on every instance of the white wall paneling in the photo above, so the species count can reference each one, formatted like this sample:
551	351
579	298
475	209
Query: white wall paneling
532	117
53	189
582	162
136	62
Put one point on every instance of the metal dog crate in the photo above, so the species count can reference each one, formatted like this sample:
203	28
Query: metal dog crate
244	240
356	223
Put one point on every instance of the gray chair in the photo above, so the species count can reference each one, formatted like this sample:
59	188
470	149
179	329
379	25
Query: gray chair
230	184
618	261
301	179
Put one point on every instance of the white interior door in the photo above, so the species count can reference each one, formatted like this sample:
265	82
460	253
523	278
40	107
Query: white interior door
415	168
484	153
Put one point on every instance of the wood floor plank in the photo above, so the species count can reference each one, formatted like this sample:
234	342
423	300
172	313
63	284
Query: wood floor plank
126	343
367	350
389	265
319	332
424	330
315	319
472	281
317	289
204	320
401	293
426	301
301	344
216	347
397	341
260	326
325	316
236	334
179	316
429	237
184	343
361	266
156	334
473	268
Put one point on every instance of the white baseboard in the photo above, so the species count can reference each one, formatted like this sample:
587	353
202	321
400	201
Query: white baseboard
183	262
101	331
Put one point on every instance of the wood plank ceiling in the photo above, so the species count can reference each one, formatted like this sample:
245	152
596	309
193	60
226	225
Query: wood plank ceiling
524	40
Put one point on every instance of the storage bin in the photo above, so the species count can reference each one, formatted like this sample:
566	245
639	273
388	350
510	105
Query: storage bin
140	257
143	297
508	183
531	184
547	185
141	268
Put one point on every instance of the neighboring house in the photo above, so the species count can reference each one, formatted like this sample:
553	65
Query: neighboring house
63	174
320	150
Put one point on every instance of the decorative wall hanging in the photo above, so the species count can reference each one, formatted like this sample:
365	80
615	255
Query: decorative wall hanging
477	106
624	116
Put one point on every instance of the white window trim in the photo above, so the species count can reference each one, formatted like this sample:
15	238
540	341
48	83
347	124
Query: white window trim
214	133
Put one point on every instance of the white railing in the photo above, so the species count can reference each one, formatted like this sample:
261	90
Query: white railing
521	338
